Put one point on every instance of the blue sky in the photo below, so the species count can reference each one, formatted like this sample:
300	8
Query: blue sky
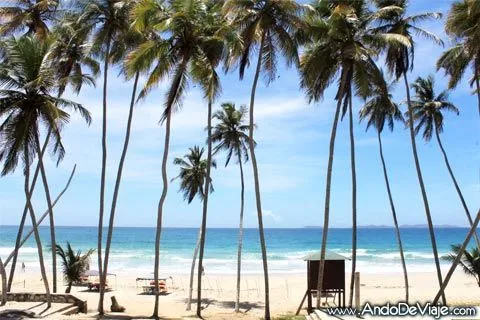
292	153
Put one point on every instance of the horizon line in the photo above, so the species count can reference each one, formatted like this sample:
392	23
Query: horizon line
413	226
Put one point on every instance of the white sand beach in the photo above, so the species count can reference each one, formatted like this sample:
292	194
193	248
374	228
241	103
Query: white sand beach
285	294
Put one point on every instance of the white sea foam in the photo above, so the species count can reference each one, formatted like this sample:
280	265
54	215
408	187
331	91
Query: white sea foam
4	251
140	262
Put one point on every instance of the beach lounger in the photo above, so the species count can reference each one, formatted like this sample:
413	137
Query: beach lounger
95	286
162	287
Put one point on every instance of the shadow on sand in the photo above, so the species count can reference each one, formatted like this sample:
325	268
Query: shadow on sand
245	307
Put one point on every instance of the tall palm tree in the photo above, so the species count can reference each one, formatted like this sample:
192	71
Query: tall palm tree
340	42
462	26
268	25
193	170
190	51
108	21
354	195
24	105
70	54
74	264
222	42
377	111
399	61
230	135
428	108
120	48
31	17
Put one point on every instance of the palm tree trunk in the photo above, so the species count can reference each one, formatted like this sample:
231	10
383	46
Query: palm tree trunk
3	274
45	214
240	235
69	288
22	221
460	195
422	188
205	210
50	213
118	180
395	221
36	233
477	81
354	197
257	182
326	217
101	289
158	232
17	241
441	292
192	270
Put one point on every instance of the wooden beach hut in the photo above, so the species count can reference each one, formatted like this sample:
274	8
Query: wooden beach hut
333	278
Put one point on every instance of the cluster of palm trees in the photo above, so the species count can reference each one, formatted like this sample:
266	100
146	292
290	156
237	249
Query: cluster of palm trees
229	135
47	46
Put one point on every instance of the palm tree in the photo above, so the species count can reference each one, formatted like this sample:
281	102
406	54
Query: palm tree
74	264
32	16
191	50
340	42
399	61
230	135
427	114
193	169
462	26
108	21
377	111
26	104
120	47
268	25
470	261
460	251
70	54
27	15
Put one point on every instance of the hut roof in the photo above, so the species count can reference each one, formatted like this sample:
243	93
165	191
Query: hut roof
329	255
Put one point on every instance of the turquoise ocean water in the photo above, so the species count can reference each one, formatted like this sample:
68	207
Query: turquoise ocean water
133	248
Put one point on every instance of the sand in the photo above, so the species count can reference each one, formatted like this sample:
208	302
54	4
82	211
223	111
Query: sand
286	292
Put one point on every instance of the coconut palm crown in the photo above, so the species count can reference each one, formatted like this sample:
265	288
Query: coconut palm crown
31	17
381	109
266	24
463	27
400	58
71	53
27	102
74	264
230	133
428	107
193	167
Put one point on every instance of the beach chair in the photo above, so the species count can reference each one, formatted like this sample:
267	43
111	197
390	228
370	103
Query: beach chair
162	287
95	286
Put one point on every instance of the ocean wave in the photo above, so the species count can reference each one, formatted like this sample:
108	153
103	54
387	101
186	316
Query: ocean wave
372	254
4	251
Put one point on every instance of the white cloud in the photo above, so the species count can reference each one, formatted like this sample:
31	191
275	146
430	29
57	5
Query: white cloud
269	214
